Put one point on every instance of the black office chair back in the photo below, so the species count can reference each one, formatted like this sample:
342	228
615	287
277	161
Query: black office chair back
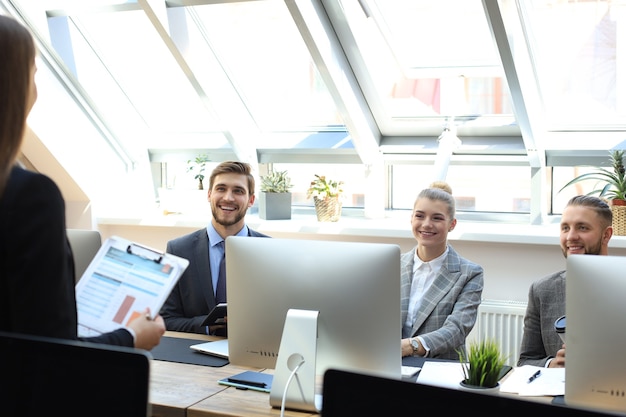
45	376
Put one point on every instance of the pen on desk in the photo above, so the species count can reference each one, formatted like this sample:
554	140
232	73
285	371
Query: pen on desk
534	376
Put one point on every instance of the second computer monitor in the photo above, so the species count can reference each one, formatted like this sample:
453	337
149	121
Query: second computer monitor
355	287
595	308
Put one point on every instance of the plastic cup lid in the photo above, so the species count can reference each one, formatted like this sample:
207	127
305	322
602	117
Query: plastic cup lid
559	324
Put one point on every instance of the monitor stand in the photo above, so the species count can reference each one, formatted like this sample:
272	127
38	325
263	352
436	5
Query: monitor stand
294	375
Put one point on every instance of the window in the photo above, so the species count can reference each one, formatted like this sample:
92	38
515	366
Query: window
359	90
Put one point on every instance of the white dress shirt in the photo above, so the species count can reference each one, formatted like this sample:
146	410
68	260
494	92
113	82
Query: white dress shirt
424	274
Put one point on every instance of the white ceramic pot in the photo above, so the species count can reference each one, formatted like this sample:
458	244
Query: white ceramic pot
484	390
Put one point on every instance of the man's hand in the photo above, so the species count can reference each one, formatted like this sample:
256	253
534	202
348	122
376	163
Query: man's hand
559	360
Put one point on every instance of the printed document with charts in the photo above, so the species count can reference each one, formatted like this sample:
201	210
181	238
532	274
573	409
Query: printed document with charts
121	281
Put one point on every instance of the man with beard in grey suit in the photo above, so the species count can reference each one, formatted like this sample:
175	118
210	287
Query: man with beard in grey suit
586	228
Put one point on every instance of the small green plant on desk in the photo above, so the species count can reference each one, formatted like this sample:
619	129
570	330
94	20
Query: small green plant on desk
482	364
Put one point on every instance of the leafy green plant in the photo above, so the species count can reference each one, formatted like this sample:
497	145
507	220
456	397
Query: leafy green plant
614	179
482	364
321	188
276	182
198	166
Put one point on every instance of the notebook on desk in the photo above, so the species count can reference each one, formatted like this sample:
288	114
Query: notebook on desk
217	348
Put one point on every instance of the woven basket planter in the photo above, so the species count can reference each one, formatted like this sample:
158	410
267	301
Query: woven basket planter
327	209
619	219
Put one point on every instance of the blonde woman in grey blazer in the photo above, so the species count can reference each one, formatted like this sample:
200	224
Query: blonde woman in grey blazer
440	290
586	228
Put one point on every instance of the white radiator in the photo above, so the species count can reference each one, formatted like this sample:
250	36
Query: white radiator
503	321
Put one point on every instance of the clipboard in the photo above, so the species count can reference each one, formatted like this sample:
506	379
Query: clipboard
121	281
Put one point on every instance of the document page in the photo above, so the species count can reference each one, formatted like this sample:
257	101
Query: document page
121	281
441	374
531	380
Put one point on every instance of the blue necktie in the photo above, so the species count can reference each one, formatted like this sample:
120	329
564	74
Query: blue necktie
220	292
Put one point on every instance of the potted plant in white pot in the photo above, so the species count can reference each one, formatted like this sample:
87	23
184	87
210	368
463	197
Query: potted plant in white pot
482	365
611	186
275	196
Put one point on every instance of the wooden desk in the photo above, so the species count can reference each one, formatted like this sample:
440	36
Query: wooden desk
235	402
179	389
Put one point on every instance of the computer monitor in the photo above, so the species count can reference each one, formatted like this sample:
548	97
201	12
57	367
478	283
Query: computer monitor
355	287
595	367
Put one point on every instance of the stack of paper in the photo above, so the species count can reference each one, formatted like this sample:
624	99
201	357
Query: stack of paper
441	374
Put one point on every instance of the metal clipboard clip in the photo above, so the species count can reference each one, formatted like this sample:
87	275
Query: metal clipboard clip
145	252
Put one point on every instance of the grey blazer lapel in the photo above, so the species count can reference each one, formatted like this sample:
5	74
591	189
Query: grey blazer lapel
444	281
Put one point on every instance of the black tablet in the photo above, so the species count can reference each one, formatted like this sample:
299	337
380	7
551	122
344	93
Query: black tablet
217	316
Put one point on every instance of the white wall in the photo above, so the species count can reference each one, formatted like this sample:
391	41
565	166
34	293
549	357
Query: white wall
512	255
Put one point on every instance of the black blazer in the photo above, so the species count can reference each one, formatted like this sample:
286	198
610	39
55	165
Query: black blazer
192	298
37	265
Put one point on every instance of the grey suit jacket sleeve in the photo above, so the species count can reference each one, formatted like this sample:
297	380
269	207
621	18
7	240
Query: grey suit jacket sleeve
192	298
450	306
546	303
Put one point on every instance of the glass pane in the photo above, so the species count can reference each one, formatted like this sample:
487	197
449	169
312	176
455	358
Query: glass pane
562	175
264	54
423	72
576	56
302	175
178	177
164	100
472	186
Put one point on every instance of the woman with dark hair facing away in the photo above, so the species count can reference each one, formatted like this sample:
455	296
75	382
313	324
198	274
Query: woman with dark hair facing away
37	274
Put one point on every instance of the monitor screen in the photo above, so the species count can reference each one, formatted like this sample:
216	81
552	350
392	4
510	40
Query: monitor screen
354	286
595	308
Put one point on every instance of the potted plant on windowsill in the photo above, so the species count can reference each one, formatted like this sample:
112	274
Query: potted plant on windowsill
197	166
327	196
275	197
613	188
482	365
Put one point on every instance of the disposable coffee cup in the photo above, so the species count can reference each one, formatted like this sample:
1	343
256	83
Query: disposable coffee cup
559	326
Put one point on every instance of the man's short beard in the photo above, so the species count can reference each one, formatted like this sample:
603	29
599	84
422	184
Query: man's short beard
593	250
226	224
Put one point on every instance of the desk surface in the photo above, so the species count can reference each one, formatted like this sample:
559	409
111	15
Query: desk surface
179	389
